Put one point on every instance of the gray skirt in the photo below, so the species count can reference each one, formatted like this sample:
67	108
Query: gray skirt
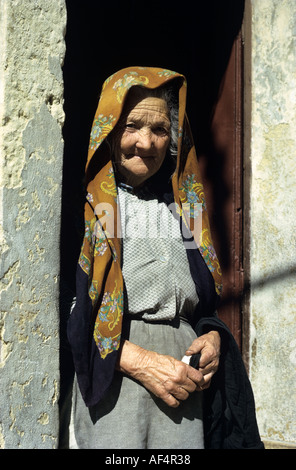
130	417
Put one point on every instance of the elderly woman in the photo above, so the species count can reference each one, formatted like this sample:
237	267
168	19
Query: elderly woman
148	281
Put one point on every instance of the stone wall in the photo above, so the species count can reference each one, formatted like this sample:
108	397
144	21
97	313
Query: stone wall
272	96
31	146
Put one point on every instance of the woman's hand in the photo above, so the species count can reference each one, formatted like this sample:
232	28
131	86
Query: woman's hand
209	347
166	377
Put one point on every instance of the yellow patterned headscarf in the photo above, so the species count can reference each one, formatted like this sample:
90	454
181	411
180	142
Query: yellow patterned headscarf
100	256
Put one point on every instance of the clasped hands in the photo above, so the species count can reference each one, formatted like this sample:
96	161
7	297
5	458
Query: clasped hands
166	377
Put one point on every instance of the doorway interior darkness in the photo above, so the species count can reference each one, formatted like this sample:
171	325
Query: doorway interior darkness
199	39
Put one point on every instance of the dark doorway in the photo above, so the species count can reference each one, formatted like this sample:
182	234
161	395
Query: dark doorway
199	39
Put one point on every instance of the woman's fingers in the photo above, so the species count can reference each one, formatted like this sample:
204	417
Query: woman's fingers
172	393
164	376
208	344
209	347
167	377
179	392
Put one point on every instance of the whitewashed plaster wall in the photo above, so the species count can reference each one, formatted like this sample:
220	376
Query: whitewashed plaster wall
31	146
273	218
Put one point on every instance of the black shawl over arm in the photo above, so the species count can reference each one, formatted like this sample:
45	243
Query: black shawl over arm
228	408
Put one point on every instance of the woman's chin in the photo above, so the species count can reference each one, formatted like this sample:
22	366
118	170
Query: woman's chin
138	173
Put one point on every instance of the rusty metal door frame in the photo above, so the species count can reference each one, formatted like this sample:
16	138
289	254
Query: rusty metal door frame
227	213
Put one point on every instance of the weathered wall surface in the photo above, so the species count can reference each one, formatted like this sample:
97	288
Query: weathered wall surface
273	218
31	112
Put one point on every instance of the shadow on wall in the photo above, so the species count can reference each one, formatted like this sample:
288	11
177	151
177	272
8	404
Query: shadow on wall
260	283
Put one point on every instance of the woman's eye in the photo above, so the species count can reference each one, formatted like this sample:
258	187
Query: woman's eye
160	130
130	125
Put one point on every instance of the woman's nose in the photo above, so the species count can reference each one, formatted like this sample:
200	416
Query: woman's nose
145	139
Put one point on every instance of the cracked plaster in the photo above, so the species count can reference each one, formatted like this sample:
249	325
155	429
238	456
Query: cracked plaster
31	114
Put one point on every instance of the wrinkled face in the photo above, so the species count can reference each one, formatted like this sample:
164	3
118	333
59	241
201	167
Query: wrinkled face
141	138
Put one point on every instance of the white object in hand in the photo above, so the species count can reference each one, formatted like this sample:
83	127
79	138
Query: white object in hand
186	359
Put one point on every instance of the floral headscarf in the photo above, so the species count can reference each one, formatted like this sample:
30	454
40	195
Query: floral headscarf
100	257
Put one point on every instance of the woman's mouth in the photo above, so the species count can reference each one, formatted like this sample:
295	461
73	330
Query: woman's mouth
142	157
